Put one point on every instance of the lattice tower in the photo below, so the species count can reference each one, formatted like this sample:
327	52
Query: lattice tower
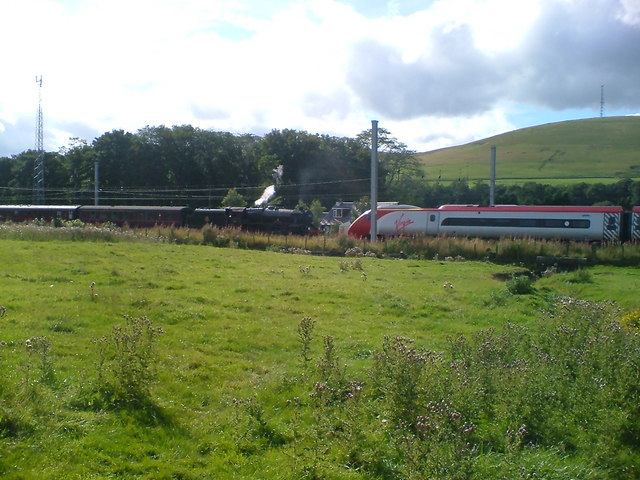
38	165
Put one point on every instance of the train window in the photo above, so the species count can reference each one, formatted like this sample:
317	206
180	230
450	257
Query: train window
516	222
612	224
432	217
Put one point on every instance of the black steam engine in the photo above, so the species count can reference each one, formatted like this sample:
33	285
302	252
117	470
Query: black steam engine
257	219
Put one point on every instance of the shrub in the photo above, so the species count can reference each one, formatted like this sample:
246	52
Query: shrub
520	285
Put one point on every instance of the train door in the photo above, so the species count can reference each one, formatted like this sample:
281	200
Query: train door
433	222
635	224
611	226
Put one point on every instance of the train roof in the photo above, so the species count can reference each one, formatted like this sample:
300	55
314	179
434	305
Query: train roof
131	208
41	207
531	208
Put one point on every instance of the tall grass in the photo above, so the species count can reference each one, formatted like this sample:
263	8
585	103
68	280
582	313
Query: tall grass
504	250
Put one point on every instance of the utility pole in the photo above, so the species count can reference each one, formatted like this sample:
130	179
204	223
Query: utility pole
374	180
96	186
492	187
38	166
601	101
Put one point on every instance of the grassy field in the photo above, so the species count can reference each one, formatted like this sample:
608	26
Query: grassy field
180	361
591	150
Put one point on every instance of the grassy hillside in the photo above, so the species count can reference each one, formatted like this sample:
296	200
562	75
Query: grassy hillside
597	149
233	395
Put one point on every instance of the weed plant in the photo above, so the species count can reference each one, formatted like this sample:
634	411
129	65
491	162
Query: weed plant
125	366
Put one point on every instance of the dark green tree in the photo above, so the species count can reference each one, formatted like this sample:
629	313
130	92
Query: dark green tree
233	199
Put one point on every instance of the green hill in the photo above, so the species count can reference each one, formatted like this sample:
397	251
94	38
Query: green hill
597	149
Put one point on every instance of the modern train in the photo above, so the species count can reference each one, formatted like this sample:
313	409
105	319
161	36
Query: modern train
549	222
261	219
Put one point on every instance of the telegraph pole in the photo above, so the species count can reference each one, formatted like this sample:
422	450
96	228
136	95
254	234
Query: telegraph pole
374	180
492	186
96	183
38	166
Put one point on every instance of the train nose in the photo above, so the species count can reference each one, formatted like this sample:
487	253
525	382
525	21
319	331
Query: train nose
360	228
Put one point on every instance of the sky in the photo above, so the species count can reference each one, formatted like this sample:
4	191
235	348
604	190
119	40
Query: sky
435	73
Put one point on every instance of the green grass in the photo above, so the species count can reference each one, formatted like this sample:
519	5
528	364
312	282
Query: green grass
230	321
590	150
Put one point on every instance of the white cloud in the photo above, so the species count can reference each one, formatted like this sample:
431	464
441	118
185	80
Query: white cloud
629	12
435	74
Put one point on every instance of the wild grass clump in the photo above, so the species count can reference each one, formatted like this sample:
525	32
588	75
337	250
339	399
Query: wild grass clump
520	285
580	276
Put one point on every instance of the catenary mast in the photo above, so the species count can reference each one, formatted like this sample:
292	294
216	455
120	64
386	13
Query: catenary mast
38	166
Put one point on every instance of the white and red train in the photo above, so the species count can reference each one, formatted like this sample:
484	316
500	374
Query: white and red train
551	222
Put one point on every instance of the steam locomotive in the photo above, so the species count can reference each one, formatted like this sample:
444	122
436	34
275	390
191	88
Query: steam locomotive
262	219
259	219
552	222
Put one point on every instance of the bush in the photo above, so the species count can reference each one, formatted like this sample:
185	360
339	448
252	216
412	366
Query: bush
520	285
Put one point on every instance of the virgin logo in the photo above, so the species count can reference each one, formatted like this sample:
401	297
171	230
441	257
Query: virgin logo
402	224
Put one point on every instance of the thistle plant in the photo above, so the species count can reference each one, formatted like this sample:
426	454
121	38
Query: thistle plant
305	336
39	352
129	356
330	371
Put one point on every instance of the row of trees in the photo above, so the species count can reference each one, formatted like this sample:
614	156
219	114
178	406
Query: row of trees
625	192
184	165
187	165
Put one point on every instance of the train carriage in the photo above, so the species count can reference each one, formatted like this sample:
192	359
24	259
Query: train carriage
141	216
560	222
28	213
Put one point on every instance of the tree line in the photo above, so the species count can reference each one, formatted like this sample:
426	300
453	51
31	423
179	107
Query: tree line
186	165
625	192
